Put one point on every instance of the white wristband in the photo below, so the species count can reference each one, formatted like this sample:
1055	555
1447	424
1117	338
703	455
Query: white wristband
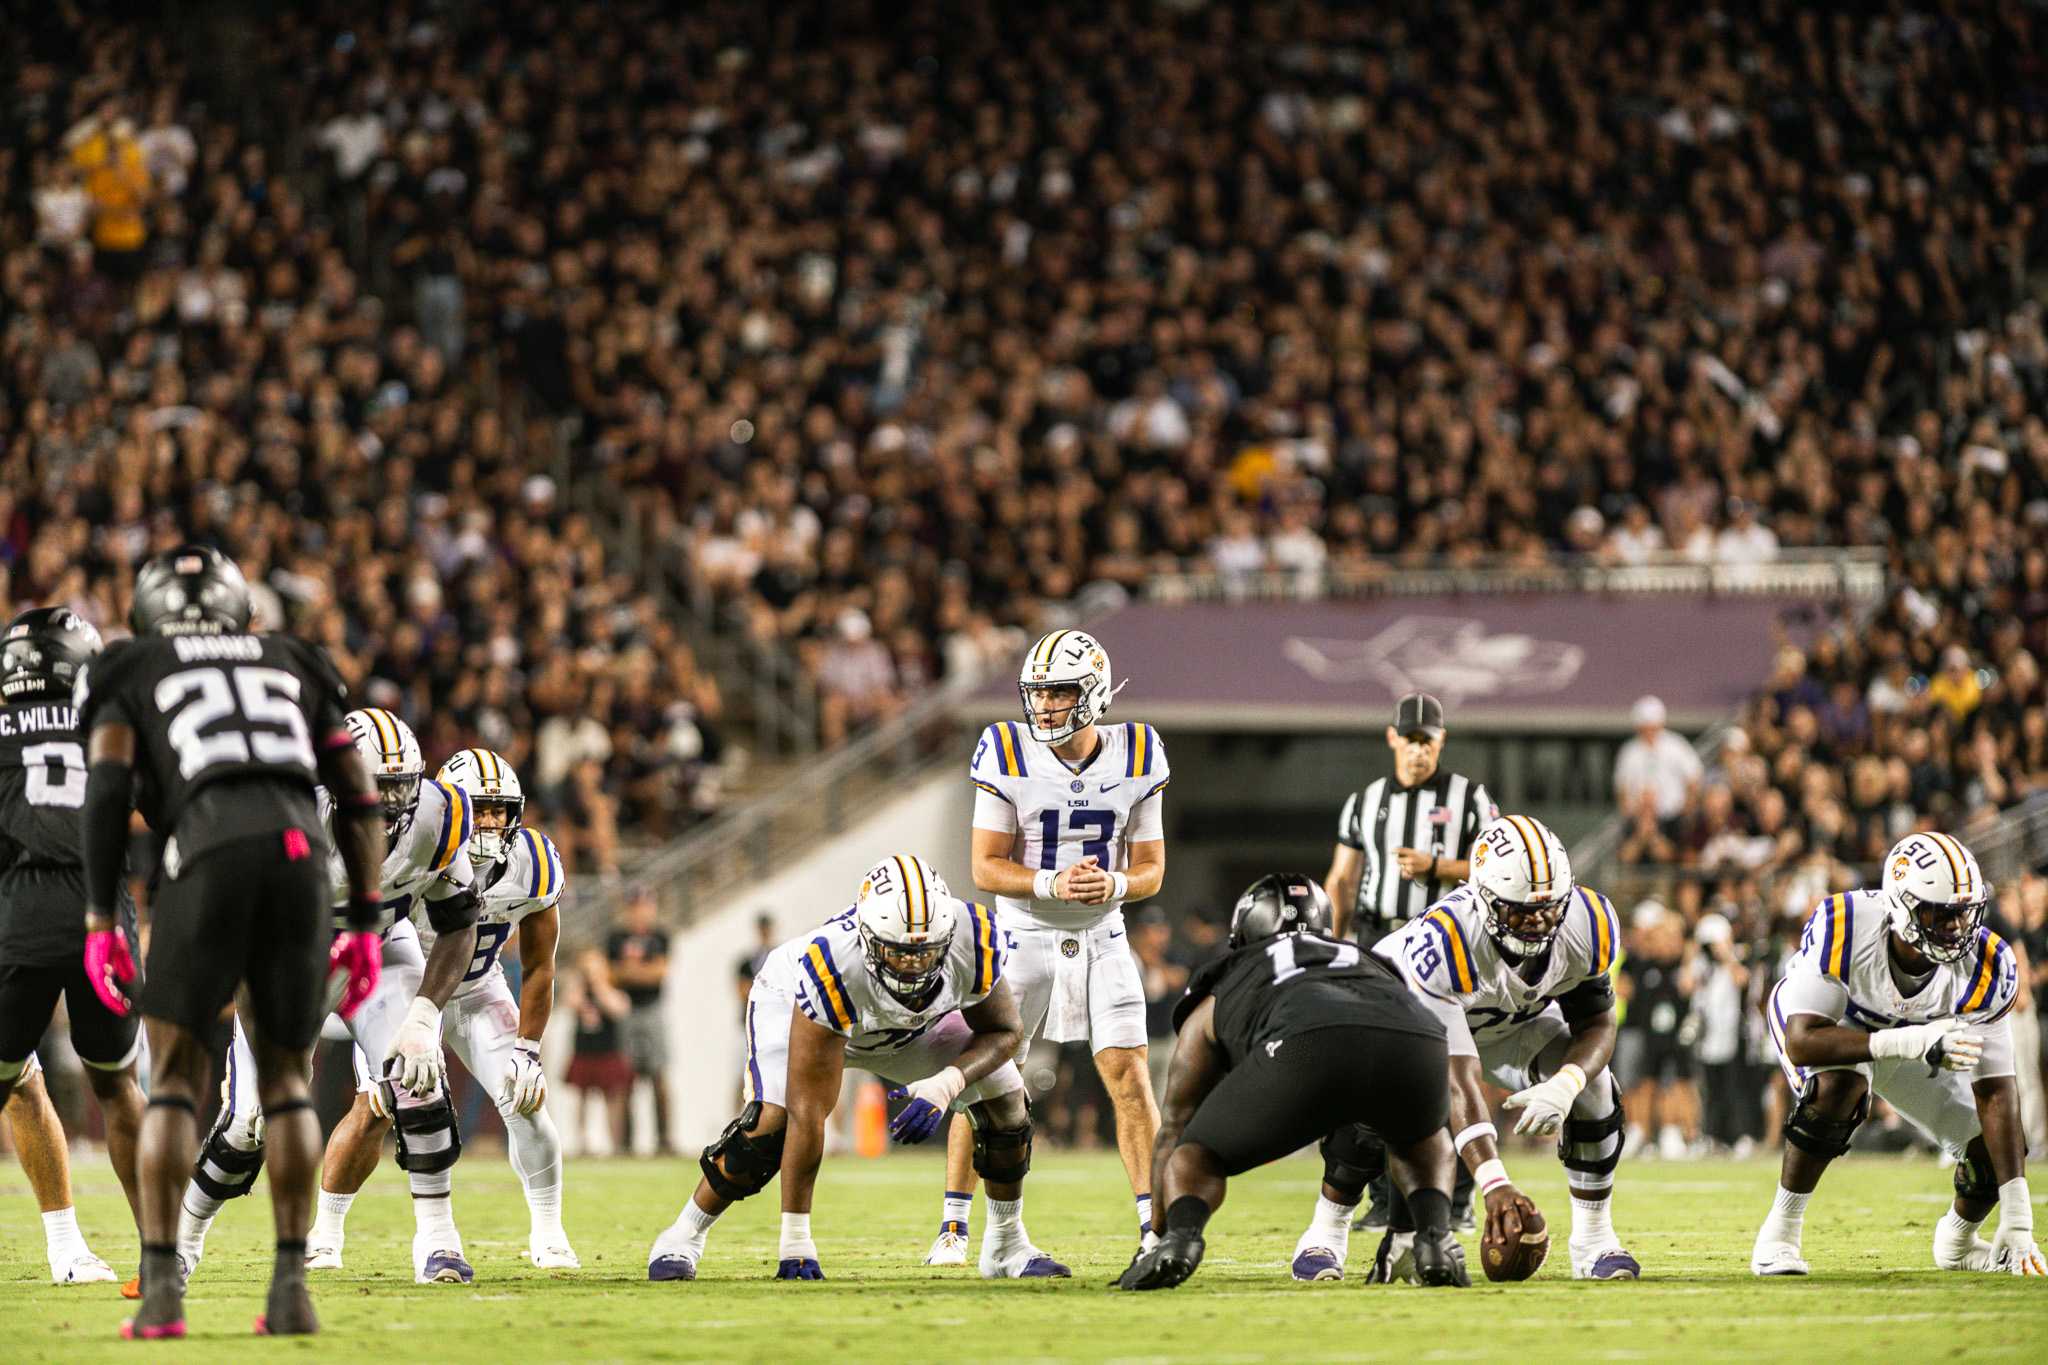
1574	1073
1042	884
1490	1176
1119	886
2015	1206
1477	1130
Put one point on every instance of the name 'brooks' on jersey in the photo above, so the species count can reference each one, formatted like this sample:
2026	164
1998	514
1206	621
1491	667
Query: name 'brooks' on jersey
823	971
1062	815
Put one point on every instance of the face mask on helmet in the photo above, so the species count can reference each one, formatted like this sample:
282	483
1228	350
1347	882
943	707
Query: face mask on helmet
1055	711
1523	929
1940	932
397	793
908	971
497	820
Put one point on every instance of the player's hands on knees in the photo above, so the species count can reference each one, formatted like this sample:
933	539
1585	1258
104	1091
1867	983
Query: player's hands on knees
526	1084
1545	1104
1084	883
415	1061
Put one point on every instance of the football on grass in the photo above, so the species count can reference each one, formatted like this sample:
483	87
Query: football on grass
1518	1250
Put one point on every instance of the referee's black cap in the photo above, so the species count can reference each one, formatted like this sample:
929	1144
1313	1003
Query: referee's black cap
1418	712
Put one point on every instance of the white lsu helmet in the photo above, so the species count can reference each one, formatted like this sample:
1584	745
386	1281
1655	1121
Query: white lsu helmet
1066	658
1935	895
491	784
1524	879
391	749
905	916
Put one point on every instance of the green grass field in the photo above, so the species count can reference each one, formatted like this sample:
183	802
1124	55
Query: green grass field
1871	1297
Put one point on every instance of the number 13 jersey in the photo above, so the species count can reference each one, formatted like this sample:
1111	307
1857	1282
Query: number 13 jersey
1062	814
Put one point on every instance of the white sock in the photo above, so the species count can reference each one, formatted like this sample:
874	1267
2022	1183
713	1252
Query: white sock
60	1231
1331	1227
954	1212
1005	1221
200	1204
1955	1233
534	1147
435	1218
1787	1218
1592	1221
1144	1214
544	1205
693	1225
331	1216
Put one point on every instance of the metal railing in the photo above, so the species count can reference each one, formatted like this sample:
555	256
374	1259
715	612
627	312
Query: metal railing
1853	574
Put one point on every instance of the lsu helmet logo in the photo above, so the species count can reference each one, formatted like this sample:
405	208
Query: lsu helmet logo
1900	864
1479	852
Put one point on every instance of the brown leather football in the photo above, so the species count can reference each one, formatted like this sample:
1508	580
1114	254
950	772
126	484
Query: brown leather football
1518	1252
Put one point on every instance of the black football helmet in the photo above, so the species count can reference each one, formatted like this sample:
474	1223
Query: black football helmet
192	590
42	653
1279	903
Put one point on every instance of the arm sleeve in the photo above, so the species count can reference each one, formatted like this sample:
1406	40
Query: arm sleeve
1806	991
451	908
993	812
1592	997
1998	1053
1148	822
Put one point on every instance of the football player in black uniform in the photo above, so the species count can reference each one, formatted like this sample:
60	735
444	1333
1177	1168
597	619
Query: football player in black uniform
228	733
1289	1036
42	886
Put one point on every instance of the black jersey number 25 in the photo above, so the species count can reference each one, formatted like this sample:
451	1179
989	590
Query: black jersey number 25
234	715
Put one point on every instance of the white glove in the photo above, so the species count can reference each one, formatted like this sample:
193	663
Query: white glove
2013	1250
379	1096
1544	1106
938	1091
415	1061
1945	1045
526	1085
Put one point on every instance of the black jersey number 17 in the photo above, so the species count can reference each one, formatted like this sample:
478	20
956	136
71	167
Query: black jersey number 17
1286	952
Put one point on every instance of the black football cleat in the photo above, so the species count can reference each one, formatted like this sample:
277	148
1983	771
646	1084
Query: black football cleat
1439	1260
1166	1265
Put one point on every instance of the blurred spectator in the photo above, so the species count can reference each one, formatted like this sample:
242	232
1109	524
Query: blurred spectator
1656	783
637	955
1657	978
1732	1091
598	1066
1164	980
750	965
856	678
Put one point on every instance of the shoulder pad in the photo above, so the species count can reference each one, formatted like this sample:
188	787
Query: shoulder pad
451	824
318	663
1439	951
539	869
1145	755
1593	916
1001	752
826	987
99	676
1994	985
1201	986
985	949
1831	934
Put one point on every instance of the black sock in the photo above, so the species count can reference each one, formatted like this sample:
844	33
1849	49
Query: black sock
1188	1214
1400	1214
1431	1210
160	1270
291	1259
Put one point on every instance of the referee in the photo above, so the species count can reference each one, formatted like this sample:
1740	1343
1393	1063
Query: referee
1402	842
1402	845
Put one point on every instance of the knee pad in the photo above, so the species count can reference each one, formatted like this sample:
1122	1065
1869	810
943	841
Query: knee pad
750	1162
1352	1158
1818	1135
428	1139
223	1170
1003	1154
1593	1146
1974	1180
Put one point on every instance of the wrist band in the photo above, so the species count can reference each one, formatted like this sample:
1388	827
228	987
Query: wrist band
1042	884
2015	1205
1477	1130
1490	1176
1576	1072
1119	886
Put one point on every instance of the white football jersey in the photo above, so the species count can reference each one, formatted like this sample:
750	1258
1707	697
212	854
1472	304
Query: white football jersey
1844	945
1448	955
827	973
529	880
1061	815
427	859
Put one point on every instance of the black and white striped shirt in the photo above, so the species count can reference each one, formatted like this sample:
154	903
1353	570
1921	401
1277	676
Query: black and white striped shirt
1441	816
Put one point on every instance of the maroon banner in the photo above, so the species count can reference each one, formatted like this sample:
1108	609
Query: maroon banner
1544	661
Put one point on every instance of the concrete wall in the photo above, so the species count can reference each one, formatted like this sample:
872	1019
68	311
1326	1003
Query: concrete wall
930	819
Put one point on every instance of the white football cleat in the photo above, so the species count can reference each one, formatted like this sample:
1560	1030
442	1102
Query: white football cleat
323	1256
1777	1258
551	1251
949	1249
80	1266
